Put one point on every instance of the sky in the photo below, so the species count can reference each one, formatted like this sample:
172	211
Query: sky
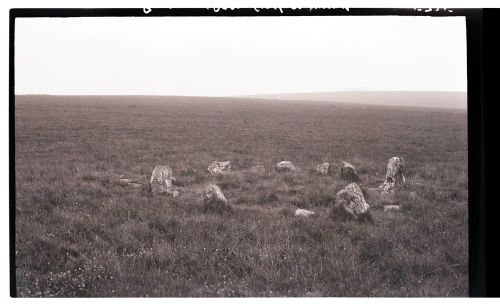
233	56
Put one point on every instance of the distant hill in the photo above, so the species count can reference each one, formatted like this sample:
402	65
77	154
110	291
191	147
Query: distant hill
456	101
447	100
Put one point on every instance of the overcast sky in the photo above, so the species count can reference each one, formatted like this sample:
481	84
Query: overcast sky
224	56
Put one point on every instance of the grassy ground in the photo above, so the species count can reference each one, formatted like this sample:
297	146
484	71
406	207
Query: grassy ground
80	232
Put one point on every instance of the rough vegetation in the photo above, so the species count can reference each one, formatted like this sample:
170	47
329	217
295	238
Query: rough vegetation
82	232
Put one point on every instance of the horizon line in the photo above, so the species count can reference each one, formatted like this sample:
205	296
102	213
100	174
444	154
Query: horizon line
239	95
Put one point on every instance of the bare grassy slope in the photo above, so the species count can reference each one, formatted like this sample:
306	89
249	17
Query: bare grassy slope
79	232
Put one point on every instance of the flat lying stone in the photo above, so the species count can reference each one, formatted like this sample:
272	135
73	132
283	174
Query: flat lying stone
131	182
220	167
303	212
126	180
285	166
323	168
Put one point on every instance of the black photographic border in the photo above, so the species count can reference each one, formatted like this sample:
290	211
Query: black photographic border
478	35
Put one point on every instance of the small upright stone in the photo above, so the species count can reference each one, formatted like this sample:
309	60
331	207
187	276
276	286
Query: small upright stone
285	166
394	177
351	200
213	198
220	167
323	168
348	171
161	180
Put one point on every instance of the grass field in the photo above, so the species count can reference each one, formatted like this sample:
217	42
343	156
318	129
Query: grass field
80	232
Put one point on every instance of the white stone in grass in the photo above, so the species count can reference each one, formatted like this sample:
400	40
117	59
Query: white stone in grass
220	167
323	168
303	212
285	166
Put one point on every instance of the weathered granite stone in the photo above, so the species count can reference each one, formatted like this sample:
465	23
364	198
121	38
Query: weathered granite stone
220	167
214	198
323	168
285	166
161	180
351	200
348	171
394	177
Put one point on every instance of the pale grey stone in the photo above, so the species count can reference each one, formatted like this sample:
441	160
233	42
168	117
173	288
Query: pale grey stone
213	196
285	166
220	167
303	212
161	180
323	168
351	200
394	177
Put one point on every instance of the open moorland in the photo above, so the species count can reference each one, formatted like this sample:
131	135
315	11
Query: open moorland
80	231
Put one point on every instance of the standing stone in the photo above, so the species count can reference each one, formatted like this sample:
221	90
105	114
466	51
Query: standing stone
323	168
394	177
220	167
215	199
351	200
285	166
161	180
348	171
